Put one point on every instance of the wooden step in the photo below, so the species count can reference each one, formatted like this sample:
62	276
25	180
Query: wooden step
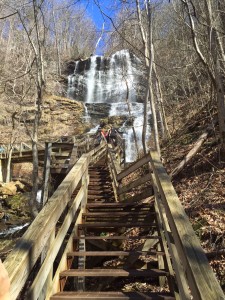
119	237
113	273
113	219
107	180
113	253
119	214
117	225
112	296
100	192
96	187
100	173
118	205
103	197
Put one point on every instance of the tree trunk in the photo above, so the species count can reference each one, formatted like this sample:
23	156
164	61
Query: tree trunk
166	134
190	154
12	141
150	85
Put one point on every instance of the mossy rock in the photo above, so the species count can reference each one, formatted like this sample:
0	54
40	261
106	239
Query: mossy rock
19	203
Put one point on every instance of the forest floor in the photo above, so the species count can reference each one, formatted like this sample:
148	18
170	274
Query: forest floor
201	185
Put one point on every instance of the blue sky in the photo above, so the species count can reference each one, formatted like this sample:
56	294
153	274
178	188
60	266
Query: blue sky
109	7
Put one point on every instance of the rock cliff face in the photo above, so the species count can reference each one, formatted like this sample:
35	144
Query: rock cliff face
60	116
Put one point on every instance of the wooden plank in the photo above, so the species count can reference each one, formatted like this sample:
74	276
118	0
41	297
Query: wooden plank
81	264
120	219
117	218
139	163
112	296
63	264
183	288
100	192
114	273
118	205
63	145
114	253
119	214
100	197
20	260
134	184
196	266
112	164
46	176
118	225
120	237
146	246
55	246
148	192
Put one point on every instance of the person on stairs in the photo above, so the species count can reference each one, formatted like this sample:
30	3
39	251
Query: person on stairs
4	283
112	136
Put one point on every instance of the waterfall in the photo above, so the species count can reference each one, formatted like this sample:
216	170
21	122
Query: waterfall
90	82
118	109
86	113
113	80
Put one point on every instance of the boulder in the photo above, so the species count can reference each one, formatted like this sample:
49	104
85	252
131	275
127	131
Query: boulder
20	186
9	189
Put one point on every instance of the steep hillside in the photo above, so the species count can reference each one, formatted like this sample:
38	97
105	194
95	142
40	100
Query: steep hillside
200	185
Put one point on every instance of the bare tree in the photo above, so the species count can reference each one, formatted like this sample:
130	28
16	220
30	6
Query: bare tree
210	53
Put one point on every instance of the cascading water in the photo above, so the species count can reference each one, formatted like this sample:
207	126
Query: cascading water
112	80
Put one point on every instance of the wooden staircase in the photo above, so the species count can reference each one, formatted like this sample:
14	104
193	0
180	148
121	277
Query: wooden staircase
117	253
139	245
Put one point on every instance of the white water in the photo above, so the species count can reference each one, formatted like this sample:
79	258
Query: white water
12	230
111	80
38	198
86	113
136	110
91	80
71	82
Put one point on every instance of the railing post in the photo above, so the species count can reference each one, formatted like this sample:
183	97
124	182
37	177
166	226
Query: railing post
88	142
82	244
48	281
124	151
3	169
21	148
47	166
1	173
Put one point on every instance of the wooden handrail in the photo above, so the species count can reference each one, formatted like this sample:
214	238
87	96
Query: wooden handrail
199	275
136	165
194	276
24	147
24	256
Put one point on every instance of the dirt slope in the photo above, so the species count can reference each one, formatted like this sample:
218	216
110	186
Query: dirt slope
201	185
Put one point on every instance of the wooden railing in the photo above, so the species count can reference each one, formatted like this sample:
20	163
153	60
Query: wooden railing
192	269
84	142
38	248
121	189
40	245
186	258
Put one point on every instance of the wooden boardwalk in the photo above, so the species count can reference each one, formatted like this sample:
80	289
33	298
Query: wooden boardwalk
110	232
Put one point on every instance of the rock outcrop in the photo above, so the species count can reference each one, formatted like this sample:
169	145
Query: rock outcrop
11	188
